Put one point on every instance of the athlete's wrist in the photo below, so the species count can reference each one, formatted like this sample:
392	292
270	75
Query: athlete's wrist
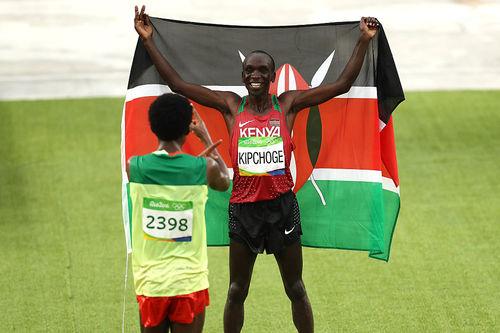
364	37
148	41
206	140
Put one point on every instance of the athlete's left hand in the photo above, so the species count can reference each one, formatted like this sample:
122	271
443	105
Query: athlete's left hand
368	27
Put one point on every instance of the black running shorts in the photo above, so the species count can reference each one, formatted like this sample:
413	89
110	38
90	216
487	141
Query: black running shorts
267	225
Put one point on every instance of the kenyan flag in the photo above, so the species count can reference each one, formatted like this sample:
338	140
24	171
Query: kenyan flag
344	164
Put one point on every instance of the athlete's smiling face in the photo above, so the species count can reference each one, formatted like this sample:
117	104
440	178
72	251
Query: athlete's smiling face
258	73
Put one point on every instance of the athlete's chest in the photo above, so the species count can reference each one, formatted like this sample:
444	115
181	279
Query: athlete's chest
251	125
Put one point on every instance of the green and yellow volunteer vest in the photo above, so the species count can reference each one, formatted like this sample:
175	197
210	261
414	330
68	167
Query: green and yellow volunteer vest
167	196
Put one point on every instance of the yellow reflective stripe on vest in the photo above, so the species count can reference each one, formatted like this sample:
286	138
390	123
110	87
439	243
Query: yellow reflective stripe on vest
168	262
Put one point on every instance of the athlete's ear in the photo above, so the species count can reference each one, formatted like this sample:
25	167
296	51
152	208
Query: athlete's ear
273	76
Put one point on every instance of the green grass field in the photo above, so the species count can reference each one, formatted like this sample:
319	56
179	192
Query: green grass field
63	252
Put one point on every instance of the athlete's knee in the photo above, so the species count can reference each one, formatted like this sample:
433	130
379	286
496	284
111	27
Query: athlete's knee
237	292
296	291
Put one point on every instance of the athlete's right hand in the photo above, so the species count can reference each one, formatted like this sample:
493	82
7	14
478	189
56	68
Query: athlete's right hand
199	129
142	24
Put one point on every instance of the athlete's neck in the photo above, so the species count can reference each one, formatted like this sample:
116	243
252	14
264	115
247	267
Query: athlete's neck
259	104
170	146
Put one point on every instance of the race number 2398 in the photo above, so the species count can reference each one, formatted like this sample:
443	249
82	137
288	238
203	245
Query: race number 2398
166	219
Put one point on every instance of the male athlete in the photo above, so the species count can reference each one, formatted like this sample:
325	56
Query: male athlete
263	210
167	196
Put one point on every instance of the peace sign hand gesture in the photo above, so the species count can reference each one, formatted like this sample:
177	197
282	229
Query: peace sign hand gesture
142	24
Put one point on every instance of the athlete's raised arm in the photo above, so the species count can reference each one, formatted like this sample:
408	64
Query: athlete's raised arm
219	100
297	100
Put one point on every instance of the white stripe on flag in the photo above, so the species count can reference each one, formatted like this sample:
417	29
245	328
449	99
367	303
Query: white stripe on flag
146	90
126	222
355	175
159	89
360	92
388	184
381	125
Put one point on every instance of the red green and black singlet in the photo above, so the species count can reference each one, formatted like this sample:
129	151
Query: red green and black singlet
261	149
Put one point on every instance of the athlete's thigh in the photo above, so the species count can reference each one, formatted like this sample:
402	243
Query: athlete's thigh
163	327
195	327
241	261
290	263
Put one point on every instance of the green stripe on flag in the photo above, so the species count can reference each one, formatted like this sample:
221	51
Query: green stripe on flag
391	211
357	216
353	217
216	217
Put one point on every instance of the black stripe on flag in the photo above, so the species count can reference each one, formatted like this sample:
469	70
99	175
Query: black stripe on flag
208	54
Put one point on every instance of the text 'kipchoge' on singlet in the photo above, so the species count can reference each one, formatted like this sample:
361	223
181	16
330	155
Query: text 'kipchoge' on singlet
260	150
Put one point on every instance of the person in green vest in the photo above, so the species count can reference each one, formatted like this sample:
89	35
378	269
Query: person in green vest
167	192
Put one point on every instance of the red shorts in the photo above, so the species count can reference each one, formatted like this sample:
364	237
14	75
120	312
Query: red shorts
179	309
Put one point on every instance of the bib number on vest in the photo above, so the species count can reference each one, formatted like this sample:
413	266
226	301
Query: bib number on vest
261	156
168	220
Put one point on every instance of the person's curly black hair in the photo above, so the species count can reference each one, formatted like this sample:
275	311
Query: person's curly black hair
170	116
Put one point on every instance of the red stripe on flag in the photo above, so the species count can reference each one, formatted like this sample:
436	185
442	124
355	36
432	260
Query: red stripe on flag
350	134
388	153
139	140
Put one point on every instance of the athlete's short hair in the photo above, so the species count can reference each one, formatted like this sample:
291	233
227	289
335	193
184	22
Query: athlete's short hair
262	52
170	116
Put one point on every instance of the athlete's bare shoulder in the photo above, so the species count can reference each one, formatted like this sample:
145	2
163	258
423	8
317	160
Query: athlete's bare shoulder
286	100
232	100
